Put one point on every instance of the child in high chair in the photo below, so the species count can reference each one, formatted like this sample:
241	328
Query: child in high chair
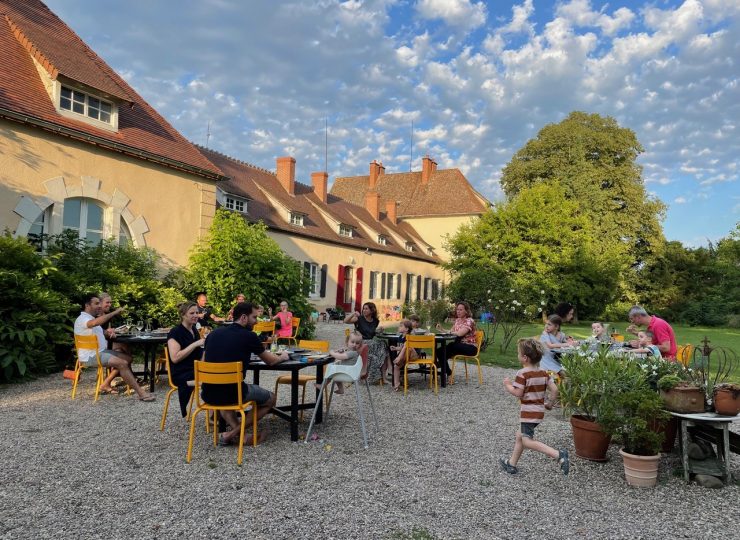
405	327
530	386
646	345
351	353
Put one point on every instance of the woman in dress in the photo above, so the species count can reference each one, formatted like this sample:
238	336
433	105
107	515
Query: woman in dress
464	329
185	347
286	321
367	324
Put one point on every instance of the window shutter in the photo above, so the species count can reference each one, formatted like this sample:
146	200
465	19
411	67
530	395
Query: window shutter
418	287
389	289
398	286
409	277
435	289
371	287
323	281
340	286
382	285
427	289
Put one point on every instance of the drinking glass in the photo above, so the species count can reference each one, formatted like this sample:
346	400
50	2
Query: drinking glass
140	326
148	326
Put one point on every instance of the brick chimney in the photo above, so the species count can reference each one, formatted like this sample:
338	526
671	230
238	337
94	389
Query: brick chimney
372	203
428	166
381	169
374	173
319	180
286	173
390	211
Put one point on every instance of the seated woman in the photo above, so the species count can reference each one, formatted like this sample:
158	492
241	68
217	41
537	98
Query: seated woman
238	300
553	339
185	347
367	324
464	329
405	327
285	318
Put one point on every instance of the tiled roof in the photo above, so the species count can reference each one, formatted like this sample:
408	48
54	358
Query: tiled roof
256	184
28	29
448	192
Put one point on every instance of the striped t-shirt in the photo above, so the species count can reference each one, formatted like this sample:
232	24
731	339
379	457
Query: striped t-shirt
534	383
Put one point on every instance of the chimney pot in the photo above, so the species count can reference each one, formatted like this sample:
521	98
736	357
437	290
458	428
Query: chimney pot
286	173
372	203
319	182
428	166
374	173
391	211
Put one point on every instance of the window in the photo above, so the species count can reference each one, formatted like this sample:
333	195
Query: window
389	285
237	205
124	235
430	251
313	275
85	217
372	285
296	219
348	285
86	105
382	240
39	228
409	246
345	230
428	289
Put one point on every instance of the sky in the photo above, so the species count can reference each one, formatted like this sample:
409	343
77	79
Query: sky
476	79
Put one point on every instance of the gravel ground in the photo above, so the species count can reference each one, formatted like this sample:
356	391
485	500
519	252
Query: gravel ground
78	469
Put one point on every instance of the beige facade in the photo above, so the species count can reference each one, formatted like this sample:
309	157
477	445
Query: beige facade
434	230
160	207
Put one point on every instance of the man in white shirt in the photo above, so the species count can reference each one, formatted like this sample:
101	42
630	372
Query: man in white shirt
90	323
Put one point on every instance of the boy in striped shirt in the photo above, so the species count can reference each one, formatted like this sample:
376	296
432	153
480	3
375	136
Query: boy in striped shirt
530	386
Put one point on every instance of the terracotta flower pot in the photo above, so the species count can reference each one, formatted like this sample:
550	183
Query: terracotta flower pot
683	399
640	471
727	401
668	428
590	441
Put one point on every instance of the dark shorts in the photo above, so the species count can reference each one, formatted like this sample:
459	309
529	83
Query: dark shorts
227	394
254	392
527	429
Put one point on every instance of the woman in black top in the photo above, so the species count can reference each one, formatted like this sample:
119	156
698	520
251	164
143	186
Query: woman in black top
185	347
368	324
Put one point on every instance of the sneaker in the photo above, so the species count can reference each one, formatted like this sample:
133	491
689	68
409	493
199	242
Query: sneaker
508	467
564	461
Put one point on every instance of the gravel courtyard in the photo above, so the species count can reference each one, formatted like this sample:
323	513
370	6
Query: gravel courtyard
78	469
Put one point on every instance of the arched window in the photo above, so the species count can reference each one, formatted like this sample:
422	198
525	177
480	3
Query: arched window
84	216
124	234
39	228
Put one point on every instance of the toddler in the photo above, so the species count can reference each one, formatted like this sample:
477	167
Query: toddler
646	345
350	354
405	327
530	386
552	340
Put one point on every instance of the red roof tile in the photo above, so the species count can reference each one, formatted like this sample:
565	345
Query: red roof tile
29	29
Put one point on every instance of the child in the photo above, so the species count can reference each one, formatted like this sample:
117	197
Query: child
646	345
530	387
405	327
598	332
353	350
553	339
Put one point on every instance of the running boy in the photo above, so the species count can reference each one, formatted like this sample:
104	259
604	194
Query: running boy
530	387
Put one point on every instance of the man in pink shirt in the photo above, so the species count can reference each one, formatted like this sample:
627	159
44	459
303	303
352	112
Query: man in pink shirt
663	335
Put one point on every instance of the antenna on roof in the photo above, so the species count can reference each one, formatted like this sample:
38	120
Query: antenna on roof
411	159
208	133
326	144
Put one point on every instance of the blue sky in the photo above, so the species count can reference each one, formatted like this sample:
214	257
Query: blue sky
478	79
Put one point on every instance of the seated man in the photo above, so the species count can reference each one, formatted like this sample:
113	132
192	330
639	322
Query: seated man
90	323
663	335
106	302
237	343
205	313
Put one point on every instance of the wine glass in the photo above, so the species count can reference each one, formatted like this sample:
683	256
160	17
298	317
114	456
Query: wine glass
140	326
148	326
429	328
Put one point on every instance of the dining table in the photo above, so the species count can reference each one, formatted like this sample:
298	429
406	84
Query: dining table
295	365
441	338
149	343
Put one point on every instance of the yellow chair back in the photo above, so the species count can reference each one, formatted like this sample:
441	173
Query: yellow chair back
264	327
420	342
321	346
295	322
88	343
478	341
684	354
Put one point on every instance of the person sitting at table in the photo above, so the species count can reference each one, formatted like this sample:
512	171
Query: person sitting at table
552	340
238	300
355	348
106	303
368	324
464	328
415	321
663	334
184	345
646	345
285	318
598	332
565	311
237	343
89	323
205	313
405	327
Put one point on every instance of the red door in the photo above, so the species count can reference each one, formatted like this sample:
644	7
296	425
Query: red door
358	291
340	286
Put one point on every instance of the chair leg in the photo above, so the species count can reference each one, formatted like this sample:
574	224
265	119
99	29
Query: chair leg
372	406
466	370
405	378
166	407
78	372
480	373
98	382
331	396
190	405
189	454
315	409
241	438
362	416
452	375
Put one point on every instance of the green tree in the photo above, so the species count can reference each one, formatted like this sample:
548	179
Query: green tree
538	240
594	160
235	257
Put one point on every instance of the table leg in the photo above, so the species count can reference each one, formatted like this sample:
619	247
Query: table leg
257	377
684	449
443	365
726	445
319	381
151	352
294	405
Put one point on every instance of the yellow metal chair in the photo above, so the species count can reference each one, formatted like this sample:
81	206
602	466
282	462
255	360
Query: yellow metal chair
684	354
261	327
173	388
420	342
320	346
222	373
294	322
88	343
464	359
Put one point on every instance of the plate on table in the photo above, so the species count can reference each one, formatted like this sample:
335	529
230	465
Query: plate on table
314	357
445	334
297	350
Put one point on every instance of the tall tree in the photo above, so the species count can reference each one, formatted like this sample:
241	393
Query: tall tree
595	161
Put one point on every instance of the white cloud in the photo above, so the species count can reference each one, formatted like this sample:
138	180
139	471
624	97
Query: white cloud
459	13
680	200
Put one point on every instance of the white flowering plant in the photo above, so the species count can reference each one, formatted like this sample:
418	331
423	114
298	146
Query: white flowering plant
511	310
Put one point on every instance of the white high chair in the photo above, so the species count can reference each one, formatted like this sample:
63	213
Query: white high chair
346	373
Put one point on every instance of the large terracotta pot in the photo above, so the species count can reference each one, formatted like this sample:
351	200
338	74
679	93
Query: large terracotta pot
668	428
727	401
590	441
640	471
683	399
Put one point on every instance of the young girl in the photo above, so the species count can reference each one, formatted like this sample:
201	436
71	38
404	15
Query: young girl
553	339
350	354
530	386
405	327
598	332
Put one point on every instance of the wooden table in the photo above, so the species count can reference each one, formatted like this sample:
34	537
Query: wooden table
441	358
290	412
149	342
716	422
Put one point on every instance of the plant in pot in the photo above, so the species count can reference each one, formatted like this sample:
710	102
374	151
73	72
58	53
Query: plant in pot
727	399
586	388
680	395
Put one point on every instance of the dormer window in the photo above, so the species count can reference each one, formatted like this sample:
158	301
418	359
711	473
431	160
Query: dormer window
409	247
236	204
84	104
430	251
296	219
382	240
345	230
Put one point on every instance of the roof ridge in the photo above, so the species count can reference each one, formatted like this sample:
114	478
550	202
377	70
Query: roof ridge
235	160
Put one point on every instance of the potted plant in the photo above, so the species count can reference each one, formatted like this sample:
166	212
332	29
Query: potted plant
727	399
584	390
679	395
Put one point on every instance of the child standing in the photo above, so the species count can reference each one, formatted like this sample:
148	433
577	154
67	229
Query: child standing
530	387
